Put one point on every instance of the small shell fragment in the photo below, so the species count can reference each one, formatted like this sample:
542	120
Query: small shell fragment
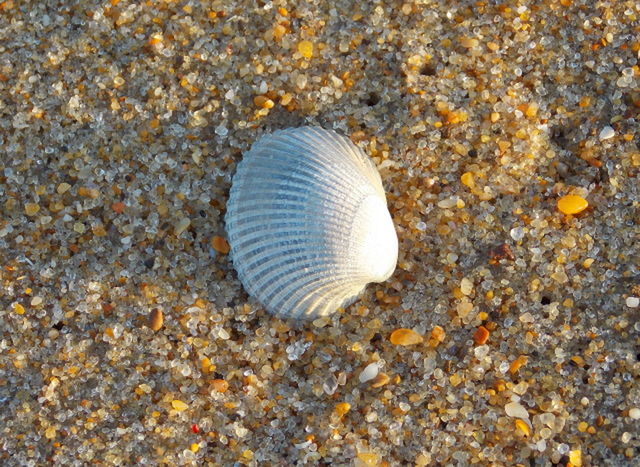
516	410
308	223
606	133
370	371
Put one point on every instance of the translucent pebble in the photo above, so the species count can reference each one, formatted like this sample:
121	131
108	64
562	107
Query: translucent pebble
380	380
342	408
606	133
179	405
560	276
469	42
306	49
517	233
520	388
63	188
330	385
301	81
464	307
622	82
526	317
466	286
321	322
516	410
481	351
523	427
221	130
295	350
304	445
548	419
634	413
575	457
467	179
421	226
420	127
220	245
405	337
31	209
632	302
448	202
572	204
241	431
156	319
182	225
369	372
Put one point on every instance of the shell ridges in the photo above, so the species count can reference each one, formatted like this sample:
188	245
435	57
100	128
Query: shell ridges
307	222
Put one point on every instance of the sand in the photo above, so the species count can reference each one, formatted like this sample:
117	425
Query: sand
125	335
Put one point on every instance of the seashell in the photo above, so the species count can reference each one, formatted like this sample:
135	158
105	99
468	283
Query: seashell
308	223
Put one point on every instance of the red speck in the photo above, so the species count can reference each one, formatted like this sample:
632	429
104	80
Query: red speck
118	207
195	428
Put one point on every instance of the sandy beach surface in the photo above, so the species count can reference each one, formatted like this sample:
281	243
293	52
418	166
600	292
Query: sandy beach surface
506	135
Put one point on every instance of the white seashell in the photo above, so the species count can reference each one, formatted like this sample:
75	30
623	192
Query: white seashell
307	222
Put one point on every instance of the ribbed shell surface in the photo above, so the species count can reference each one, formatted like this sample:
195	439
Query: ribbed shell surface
305	211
